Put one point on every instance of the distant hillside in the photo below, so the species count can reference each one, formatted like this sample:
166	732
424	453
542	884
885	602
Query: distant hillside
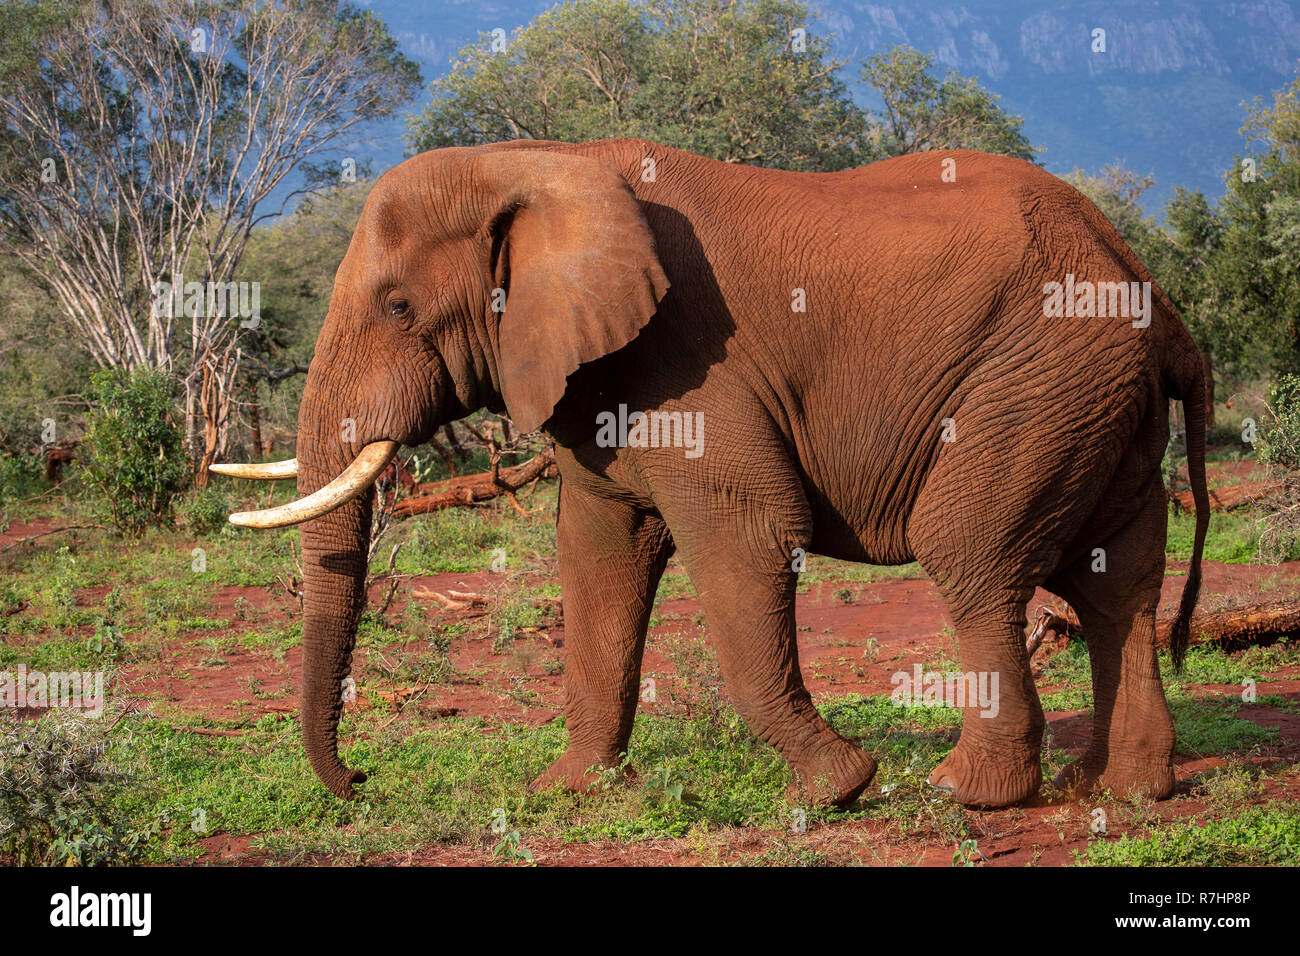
1164	98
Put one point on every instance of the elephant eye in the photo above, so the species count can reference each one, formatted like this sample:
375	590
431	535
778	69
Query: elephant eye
398	307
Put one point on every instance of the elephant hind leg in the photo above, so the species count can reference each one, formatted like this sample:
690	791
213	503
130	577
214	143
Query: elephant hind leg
1132	746
996	762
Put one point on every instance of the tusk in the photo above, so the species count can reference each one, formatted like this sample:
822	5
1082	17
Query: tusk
271	470
355	480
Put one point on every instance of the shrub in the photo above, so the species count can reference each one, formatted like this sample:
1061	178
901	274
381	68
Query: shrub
20	476
55	780
1279	532
134	453
1280	443
206	511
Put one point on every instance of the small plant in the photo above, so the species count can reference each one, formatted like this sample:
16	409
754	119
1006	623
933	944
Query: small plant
966	853
244	611
60	594
667	784
55	784
134	454
107	639
509	850
513	619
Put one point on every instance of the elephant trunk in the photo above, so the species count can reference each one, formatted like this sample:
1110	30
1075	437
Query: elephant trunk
334	550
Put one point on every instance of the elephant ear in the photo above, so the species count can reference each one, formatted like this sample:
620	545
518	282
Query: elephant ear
577	261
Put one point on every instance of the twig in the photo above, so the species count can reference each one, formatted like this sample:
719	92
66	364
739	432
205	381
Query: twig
394	579
30	538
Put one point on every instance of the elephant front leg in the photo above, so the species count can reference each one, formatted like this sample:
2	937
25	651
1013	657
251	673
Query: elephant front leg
611	558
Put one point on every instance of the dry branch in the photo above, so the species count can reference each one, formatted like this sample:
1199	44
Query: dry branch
474	489
1049	624
33	537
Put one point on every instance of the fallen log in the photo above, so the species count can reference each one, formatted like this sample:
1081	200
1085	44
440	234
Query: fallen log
1232	629
1238	627
1227	497
474	489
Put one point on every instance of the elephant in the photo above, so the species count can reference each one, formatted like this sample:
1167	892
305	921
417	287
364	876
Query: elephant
743	365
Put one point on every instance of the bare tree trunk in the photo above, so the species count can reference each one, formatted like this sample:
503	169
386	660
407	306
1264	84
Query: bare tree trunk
255	426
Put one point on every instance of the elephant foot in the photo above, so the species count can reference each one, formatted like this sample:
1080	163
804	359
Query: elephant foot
1126	777
987	774
834	778
577	772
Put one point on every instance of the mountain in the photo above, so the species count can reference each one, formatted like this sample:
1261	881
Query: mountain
1166	96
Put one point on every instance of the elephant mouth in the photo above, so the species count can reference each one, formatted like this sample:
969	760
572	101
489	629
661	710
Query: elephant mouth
355	480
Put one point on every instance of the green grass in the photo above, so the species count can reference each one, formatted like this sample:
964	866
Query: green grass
1212	729
1233	537
442	781
1255	836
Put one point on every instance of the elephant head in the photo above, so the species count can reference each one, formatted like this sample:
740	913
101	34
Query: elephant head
475	278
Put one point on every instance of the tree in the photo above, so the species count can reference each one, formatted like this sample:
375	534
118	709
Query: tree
739	80
922	112
298	256
1117	192
1260	254
140	142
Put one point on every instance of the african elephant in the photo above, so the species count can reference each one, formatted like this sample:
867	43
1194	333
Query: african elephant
874	372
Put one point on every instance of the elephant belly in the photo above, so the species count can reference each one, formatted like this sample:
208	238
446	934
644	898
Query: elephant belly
851	531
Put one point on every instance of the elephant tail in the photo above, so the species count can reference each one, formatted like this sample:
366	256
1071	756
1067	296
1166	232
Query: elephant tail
1190	387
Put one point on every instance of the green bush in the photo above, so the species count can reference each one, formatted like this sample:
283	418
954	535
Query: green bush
56	783
20	477
134	453
1280	443
206	511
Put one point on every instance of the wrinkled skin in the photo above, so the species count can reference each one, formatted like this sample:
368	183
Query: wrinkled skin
822	427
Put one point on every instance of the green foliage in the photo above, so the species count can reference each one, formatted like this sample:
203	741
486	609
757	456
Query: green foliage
56	789
134	454
922	112
206	511
1257	836
1233	537
1209	729
20	477
1280	444
717	77
721	78
1258	265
